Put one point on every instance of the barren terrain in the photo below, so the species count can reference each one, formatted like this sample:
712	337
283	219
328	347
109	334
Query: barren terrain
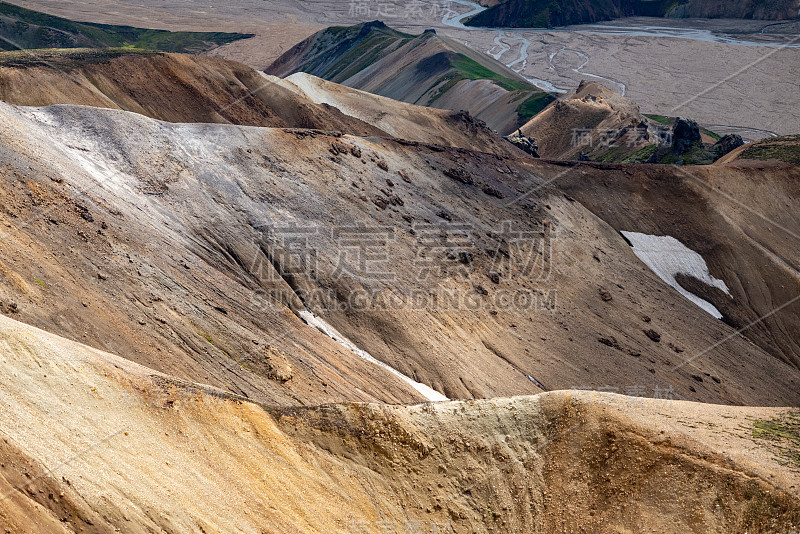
232	302
94	443
716	83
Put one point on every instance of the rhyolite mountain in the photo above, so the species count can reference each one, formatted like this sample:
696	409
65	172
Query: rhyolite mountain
426	69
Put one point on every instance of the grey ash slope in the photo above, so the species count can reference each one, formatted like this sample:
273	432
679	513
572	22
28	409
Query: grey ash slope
155	233
426	69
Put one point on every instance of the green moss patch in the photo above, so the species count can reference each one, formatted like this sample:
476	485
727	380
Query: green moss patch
24	29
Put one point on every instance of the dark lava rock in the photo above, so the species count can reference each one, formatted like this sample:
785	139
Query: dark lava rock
444	215
685	133
461	175
491	191
653	335
727	144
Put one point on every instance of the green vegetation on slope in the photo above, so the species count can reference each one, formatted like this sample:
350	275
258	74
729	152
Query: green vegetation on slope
783	433
465	68
472	70
533	105
22	29
785	149
419	69
340	52
65	57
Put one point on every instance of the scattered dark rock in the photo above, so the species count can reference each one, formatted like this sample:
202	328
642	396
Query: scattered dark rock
397	201
9	307
582	156
691	388
610	341
481	290
338	148
653	335
494	277
646	318
461	175
381	202
355	151
674	347
465	257
389	183
605	295
492	192
404	176
715	379
444	215
383	165
697	378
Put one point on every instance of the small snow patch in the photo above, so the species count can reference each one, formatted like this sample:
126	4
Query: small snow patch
668	257
327	329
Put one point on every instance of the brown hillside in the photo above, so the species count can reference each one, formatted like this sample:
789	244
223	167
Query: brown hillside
138	451
189	89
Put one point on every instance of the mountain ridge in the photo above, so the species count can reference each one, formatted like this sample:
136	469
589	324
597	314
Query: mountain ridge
550	13
426	69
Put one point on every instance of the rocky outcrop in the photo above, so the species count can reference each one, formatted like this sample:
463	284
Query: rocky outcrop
521	141
727	144
685	134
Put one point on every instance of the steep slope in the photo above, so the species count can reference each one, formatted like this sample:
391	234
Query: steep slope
94	443
23	29
747	9
549	13
426	69
202	89
740	217
171	87
193	249
398	119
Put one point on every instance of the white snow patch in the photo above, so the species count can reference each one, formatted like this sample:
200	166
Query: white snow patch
668	257
324	327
